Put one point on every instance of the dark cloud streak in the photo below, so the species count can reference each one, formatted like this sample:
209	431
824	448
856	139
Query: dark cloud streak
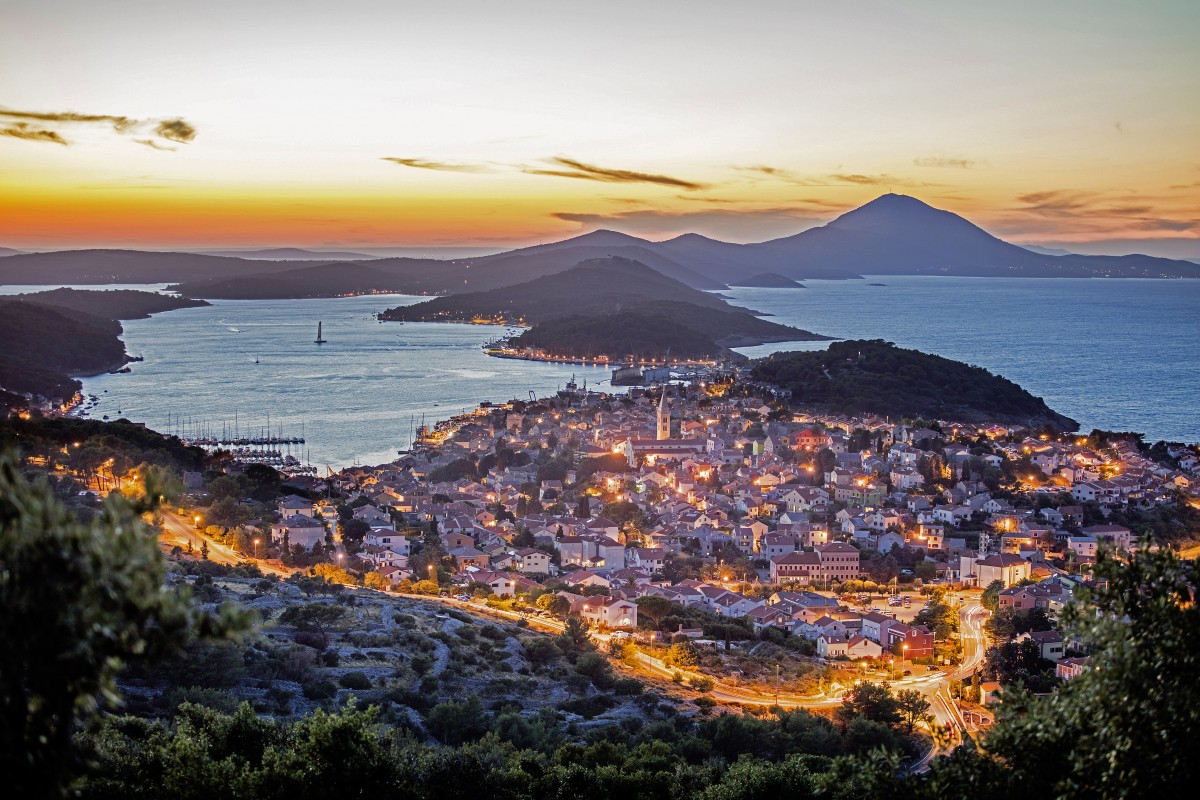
589	172
173	129
439	166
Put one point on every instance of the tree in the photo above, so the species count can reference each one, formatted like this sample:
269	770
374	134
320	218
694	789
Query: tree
376	580
354	530
653	608
574	639
79	598
455	721
681	654
913	707
1125	727
872	701
991	596
584	509
554	603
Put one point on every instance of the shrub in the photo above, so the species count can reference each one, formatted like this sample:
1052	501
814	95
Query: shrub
322	689
355	680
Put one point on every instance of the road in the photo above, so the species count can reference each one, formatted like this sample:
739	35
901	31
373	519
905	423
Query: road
178	531
934	685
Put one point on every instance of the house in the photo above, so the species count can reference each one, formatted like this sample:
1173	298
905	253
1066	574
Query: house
609	612
533	562
293	505
795	566
386	537
832	646
839	561
502	584
298	530
862	647
989	693
1050	643
910	641
1069	668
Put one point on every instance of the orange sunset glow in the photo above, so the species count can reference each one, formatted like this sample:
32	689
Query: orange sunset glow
377	127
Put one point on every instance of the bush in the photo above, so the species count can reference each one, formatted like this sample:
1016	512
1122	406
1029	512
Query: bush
703	683
355	680
320	689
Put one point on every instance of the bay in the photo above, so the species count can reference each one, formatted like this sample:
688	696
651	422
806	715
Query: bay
355	399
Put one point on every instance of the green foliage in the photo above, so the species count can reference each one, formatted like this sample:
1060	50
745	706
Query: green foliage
876	376
79	598
991	595
455	721
681	654
1124	728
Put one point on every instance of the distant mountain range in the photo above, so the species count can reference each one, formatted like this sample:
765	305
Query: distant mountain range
289	254
891	235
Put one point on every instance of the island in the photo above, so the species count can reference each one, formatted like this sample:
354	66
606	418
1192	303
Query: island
767	280
874	375
608	308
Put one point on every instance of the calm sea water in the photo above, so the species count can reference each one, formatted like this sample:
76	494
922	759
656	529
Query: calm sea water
355	398
1113	354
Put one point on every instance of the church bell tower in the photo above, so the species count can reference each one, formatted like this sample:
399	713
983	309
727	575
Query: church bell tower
664	416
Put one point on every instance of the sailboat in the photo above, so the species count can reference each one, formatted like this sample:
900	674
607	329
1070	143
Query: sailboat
320	339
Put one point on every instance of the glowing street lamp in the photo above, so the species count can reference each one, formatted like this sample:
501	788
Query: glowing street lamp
256	541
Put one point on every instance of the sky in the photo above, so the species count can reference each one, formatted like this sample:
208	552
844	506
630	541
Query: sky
357	124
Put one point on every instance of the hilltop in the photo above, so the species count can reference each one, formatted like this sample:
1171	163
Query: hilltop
609	306
595	285
874	376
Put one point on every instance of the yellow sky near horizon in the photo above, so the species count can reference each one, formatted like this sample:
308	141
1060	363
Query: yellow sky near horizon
272	124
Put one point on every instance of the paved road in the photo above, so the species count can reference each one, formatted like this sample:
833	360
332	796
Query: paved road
178	531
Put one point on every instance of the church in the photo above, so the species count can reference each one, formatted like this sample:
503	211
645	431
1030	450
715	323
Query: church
662	447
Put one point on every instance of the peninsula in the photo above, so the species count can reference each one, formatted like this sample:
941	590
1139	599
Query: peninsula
874	375
610	307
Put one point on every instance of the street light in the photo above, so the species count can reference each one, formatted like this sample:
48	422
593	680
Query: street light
256	541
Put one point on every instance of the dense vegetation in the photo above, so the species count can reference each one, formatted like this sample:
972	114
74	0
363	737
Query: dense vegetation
50	336
80	445
44	345
875	376
111	303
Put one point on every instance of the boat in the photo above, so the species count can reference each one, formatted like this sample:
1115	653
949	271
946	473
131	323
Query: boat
320	339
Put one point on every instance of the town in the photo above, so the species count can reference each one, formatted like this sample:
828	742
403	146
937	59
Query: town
708	518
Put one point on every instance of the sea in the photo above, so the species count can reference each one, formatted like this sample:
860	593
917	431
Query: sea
1114	354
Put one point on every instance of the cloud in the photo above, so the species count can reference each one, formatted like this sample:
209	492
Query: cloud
939	162
440	166
1186	185
867	180
176	130
172	129
729	224
155	145
23	130
589	172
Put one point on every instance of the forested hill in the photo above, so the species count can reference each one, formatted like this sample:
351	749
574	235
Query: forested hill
111	303
44	345
50	336
875	376
598	285
610	306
